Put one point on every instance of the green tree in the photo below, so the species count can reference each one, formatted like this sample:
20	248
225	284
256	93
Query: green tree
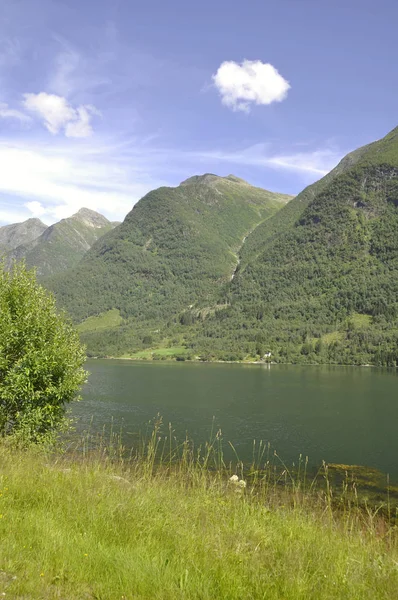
41	358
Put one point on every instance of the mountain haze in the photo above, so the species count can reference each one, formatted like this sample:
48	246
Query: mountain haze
12	236
63	244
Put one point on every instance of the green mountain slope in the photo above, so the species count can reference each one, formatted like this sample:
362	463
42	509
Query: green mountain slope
62	245
286	218
16	234
319	282
177	248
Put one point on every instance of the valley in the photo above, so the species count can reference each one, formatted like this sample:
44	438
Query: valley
216	269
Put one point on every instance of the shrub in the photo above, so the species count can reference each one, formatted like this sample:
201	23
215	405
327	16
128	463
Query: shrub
41	359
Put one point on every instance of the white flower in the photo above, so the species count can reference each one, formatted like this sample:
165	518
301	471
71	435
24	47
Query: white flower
242	483
234	479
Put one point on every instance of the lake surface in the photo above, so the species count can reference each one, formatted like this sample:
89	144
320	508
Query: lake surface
337	414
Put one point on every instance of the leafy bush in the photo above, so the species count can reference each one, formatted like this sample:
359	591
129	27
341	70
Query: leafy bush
41	359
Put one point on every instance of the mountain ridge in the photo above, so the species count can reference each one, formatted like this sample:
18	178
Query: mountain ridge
12	236
61	245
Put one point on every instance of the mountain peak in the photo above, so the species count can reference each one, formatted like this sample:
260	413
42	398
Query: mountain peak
60	246
34	221
91	218
236	179
211	179
15	234
207	178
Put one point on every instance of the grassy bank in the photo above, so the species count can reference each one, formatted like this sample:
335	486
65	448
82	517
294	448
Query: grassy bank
91	525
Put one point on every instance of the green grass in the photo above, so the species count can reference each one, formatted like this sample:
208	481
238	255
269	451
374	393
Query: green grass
106	320
95	526
360	321
333	336
166	352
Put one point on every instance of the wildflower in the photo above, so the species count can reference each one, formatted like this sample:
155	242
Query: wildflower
241	483
41	574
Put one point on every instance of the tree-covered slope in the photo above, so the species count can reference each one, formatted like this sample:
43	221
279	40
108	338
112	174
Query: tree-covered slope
16	234
325	287
287	217
176	248
63	244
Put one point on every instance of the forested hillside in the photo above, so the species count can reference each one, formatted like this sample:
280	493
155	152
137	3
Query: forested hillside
213	269
177	248
319	281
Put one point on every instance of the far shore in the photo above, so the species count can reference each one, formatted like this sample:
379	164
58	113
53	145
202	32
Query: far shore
234	362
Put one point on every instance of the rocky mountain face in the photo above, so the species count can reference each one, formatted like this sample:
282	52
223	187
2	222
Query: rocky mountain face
12	236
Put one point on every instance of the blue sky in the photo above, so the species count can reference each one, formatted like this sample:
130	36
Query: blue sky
103	100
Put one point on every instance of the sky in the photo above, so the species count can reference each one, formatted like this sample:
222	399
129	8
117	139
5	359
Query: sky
103	100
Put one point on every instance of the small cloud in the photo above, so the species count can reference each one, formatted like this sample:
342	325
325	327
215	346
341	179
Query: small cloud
81	127
253	81
36	208
55	110
59	115
11	113
319	162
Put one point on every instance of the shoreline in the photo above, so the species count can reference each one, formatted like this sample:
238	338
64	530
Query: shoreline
237	362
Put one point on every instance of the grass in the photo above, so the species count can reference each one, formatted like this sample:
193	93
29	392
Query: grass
106	320
95	525
333	336
360	321
149	353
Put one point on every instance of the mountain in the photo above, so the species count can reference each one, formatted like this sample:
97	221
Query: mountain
14	235
63	244
318	282
177	248
287	217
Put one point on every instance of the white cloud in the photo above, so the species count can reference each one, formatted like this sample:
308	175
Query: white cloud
309	164
35	208
11	113
81	127
319	162
54	181
59	115
250	82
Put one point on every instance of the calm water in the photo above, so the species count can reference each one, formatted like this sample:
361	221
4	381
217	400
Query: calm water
336	414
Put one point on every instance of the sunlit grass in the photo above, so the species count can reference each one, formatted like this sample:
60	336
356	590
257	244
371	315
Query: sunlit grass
150	353
106	320
167	522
